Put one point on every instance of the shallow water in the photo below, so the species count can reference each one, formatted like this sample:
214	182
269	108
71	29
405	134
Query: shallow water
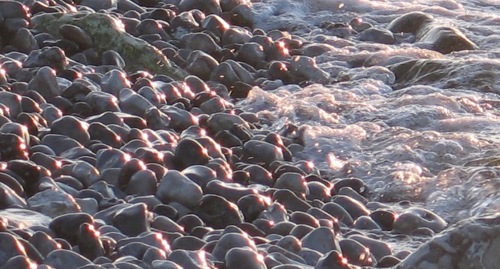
430	140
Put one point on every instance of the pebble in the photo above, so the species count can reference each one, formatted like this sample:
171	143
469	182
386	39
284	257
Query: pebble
53	203
176	187
236	257
62	258
414	218
132	220
321	239
217	212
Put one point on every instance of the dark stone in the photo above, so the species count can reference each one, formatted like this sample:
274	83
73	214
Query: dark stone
132	220
64	226
217	212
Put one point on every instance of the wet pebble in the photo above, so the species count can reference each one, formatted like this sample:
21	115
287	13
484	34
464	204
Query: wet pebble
176	187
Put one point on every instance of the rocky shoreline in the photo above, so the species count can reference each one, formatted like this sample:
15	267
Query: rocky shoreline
122	145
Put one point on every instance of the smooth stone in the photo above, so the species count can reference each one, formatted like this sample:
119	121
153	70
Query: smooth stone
252	53
19	262
275	212
304	218
132	220
160	264
63	258
318	191
365	223
133	103
188	243
321	239
189	259
470	243
311	257
207	7
235	35
12	101
230	72
348	191
102	102
47	58
10	247
53	203
217	212
89	242
176	187
294	258
377	35
18	217
190	152
86	173
201	64
103	133
114	81
77	35
384	218
290	243
12	183
165	224
378	248
354	183
259	175
281	229
199	41
414	218
111	57
304	68
260	152
88	205
17	129
45	83
111	158
153	254
9	198
355	208
388	262
294	182
24	41
230	241
332	260
60	143
252	205
244	258
230	191
142	183
319	214
43	242
180	119
200	174
189	222
66	226
224	121
445	39
356	253
291	201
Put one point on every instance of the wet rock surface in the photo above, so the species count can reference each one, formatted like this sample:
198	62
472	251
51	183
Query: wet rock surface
122	144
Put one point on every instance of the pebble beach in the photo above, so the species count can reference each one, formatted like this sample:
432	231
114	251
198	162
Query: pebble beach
238	134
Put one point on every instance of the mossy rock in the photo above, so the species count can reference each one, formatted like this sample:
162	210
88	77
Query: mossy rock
107	34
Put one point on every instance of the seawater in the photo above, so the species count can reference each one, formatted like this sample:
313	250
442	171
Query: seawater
435	144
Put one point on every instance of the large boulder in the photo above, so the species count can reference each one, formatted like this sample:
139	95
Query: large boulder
106	35
470	244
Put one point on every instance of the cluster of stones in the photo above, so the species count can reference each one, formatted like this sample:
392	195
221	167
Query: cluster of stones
120	146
